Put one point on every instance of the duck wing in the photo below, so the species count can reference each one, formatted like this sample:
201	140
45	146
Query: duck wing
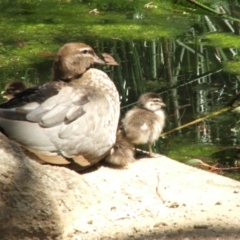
36	94
67	106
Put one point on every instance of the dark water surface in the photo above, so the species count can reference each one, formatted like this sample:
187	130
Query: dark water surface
184	52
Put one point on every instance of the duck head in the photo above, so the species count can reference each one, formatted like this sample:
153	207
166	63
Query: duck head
151	101
72	60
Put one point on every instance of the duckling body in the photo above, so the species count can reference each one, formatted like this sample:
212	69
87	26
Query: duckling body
73	118
13	88
144	123
122	152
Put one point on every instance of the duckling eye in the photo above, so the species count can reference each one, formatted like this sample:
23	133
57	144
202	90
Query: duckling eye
157	100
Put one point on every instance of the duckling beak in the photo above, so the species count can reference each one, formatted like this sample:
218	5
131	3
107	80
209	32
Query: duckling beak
4	94
163	105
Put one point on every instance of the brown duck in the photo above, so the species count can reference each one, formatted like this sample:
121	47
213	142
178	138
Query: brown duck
144	123
71	119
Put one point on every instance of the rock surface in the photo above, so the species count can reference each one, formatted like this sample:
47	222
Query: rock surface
151	199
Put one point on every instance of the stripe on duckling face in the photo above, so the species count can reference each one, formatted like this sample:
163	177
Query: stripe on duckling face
153	105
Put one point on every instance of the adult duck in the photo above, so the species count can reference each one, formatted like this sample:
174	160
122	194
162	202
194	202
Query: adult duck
71	119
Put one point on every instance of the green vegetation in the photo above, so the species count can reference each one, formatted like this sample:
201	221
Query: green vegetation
233	66
223	40
32	27
33	30
177	149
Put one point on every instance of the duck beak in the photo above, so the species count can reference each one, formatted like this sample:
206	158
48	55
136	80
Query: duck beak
109	60
98	60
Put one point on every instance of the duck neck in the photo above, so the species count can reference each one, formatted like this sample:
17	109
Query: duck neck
57	76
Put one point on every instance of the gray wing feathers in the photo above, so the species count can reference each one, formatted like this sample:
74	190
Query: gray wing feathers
91	120
27	107
59	108
77	112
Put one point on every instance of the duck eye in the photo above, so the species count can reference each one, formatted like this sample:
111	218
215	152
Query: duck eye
85	51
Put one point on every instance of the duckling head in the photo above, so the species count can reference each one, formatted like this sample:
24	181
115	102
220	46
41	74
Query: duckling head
72	60
13	88
151	101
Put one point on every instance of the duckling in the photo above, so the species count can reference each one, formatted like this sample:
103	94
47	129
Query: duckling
13	88
122	152
74	118
144	123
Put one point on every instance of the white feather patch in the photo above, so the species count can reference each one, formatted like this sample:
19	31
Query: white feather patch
144	127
